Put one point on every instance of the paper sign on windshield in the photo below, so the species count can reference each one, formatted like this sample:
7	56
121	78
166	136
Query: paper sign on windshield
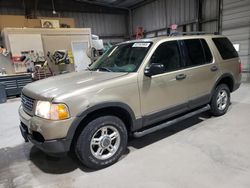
141	45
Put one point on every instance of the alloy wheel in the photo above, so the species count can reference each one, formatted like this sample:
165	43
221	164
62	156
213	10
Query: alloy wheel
105	142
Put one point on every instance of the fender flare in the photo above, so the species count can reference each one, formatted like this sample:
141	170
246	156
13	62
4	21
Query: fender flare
219	79
76	123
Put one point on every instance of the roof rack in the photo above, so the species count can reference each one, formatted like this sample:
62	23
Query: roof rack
173	33
176	33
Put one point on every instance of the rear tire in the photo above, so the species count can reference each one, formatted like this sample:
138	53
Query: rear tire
102	142
220	100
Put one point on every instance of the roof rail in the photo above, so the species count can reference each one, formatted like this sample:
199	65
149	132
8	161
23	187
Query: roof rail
176	33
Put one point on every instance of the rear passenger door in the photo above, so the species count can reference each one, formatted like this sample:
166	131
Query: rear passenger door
201	70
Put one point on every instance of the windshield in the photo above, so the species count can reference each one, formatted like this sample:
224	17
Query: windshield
122	58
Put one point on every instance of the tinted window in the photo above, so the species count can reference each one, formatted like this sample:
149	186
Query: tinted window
225	47
167	54
194	52
207	52
197	52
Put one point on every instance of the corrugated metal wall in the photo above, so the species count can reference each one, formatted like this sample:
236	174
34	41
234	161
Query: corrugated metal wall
159	14
154	17
236	25
210	15
111	26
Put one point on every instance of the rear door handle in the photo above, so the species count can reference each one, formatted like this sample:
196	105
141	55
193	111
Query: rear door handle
181	76
214	68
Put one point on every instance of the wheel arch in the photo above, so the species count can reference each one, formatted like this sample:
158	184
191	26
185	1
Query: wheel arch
227	79
119	109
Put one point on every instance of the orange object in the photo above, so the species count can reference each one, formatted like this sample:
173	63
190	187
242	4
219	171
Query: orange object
139	33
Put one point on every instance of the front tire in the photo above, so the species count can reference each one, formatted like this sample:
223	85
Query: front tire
102	142
220	100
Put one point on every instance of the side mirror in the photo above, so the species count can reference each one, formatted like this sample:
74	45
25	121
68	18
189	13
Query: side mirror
154	69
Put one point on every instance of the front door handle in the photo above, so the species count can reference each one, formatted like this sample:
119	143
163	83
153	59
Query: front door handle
181	76
214	68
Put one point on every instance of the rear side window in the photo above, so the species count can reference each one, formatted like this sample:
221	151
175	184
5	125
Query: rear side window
226	48
197	52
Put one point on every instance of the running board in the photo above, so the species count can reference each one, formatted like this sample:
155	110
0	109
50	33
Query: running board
171	122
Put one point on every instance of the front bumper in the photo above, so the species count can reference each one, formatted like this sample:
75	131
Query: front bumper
49	136
51	146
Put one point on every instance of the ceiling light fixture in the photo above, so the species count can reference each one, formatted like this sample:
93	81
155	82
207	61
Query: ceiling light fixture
53	7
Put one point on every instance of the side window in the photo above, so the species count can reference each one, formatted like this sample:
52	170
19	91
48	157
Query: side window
194	52
167	54
225	47
207	52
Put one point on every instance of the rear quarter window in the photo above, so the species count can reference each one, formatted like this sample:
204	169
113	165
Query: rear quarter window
225	47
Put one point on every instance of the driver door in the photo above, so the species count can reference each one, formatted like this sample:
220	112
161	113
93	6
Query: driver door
164	95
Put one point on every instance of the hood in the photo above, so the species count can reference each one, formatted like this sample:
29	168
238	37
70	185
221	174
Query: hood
59	85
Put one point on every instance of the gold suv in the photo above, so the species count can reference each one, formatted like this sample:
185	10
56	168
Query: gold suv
135	88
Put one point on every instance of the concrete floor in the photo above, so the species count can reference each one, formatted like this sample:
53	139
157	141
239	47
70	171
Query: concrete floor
202	152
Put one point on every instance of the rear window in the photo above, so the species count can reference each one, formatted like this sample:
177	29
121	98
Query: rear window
226	48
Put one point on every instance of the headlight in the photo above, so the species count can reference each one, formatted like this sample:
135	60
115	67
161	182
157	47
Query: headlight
48	110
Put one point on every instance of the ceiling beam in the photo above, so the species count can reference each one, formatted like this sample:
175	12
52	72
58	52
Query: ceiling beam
141	4
111	5
62	6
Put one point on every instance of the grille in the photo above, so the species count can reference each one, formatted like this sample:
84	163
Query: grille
27	103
